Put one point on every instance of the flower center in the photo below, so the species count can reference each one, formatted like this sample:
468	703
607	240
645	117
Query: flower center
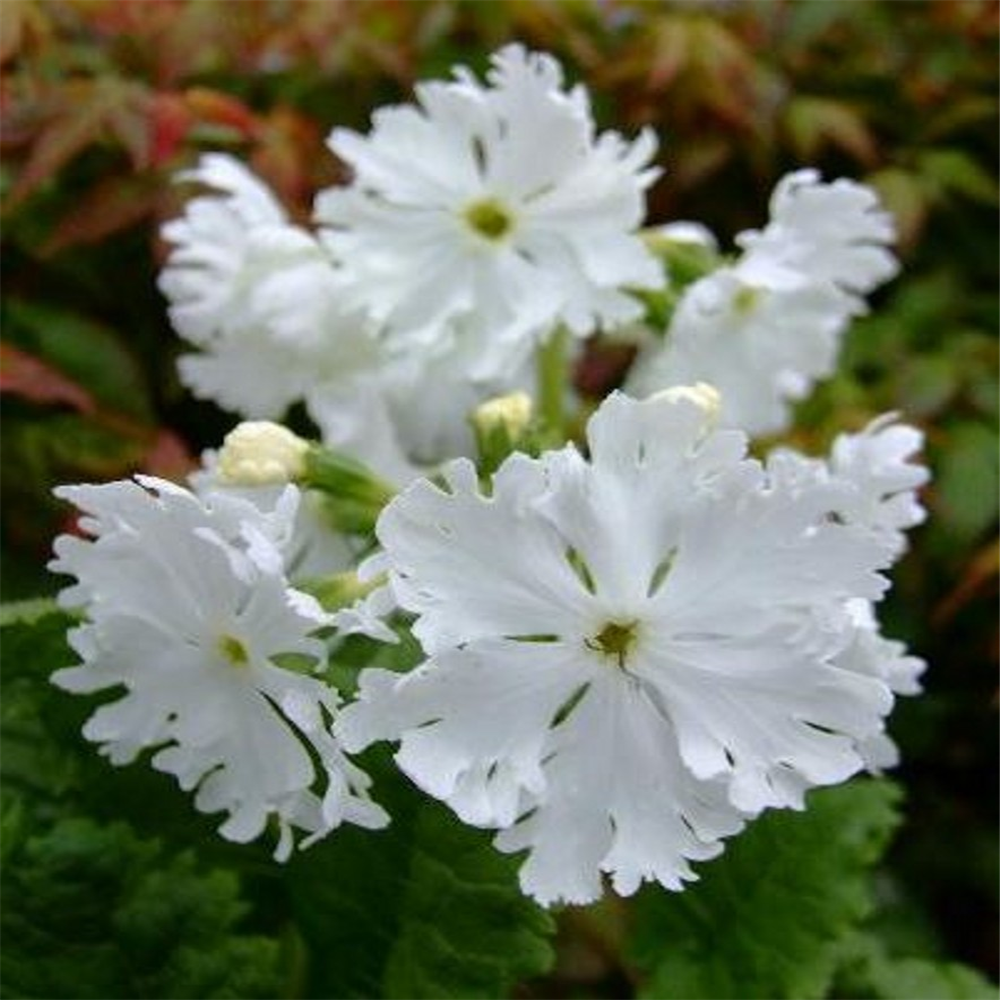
615	640
489	217
746	299
234	651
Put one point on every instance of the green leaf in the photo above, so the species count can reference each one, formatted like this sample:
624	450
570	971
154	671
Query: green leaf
92	910
967	490
425	908
33	645
767	918
953	170
869	971
87	352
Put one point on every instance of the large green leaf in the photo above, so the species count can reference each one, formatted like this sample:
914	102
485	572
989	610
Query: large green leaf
767	918
425	908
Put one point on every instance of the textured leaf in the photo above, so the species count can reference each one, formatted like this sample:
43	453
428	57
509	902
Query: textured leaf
33	644
92	910
425	908
767	918
868	970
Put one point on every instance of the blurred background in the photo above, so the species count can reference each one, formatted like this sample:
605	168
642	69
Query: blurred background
103	100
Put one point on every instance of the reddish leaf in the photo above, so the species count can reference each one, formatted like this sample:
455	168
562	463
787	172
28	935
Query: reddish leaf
169	457
221	109
113	204
25	375
83	113
172	119
20	23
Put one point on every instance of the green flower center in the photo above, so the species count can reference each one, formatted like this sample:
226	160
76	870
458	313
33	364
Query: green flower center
746	299
489	217
234	651
615	640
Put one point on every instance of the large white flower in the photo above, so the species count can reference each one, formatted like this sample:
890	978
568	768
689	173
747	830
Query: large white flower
628	655
766	328
258	296
491	214
190	612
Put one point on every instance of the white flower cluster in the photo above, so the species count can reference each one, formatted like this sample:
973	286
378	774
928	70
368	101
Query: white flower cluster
633	645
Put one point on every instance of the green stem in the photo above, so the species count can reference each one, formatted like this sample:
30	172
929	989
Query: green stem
551	374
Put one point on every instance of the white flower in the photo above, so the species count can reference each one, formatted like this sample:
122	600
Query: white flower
309	545
190	612
258	296
877	462
491	214
628	655
871	653
766	328
876	474
835	233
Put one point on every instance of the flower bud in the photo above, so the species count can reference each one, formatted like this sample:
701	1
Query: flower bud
501	426
706	397
261	453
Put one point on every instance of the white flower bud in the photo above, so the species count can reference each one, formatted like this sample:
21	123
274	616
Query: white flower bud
706	397
261	453
510	413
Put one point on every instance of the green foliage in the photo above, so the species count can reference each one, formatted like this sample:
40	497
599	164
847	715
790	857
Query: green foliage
768	918
425	908
92	910
867	970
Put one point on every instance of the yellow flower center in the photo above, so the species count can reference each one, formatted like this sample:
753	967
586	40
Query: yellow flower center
234	651
746	299
615	640
489	218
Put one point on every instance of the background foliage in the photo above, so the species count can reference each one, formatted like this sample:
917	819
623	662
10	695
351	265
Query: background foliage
111	876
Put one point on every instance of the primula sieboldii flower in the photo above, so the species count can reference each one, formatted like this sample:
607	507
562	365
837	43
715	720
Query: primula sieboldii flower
309	545
630	655
876	473
189	610
258	296
765	328
484	216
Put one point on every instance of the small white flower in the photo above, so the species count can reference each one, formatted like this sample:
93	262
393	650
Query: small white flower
258	296
878	463
189	611
835	233
491	214
766	328
876	473
628	655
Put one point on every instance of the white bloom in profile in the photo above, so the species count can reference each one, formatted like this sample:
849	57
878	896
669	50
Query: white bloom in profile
626	656
258	296
188	609
877	472
492	214
767	327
